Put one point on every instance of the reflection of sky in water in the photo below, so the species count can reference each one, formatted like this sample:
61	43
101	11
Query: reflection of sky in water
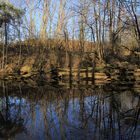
81	117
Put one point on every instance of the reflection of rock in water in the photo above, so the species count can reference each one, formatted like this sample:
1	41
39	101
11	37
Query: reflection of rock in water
127	108
127	101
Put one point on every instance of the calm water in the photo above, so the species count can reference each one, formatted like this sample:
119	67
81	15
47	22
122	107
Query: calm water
110	112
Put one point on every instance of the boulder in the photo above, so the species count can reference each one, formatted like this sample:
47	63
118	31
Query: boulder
25	71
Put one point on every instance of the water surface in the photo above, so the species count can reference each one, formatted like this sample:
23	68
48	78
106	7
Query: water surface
72	113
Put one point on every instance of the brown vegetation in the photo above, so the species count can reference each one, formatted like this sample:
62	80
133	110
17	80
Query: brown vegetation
68	35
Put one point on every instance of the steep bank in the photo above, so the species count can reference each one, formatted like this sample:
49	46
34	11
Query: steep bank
66	66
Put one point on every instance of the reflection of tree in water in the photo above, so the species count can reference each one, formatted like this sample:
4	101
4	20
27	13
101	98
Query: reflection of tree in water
11	120
127	107
85	113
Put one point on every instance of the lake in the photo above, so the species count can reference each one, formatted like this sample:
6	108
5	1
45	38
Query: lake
75	112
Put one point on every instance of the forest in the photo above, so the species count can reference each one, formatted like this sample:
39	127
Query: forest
69	69
39	36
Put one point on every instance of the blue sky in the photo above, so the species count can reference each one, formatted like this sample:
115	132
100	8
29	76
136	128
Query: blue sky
72	22
37	12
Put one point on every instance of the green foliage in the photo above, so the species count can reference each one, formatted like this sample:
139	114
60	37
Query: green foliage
8	13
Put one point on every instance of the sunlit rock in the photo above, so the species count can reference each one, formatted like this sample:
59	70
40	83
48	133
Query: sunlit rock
25	71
